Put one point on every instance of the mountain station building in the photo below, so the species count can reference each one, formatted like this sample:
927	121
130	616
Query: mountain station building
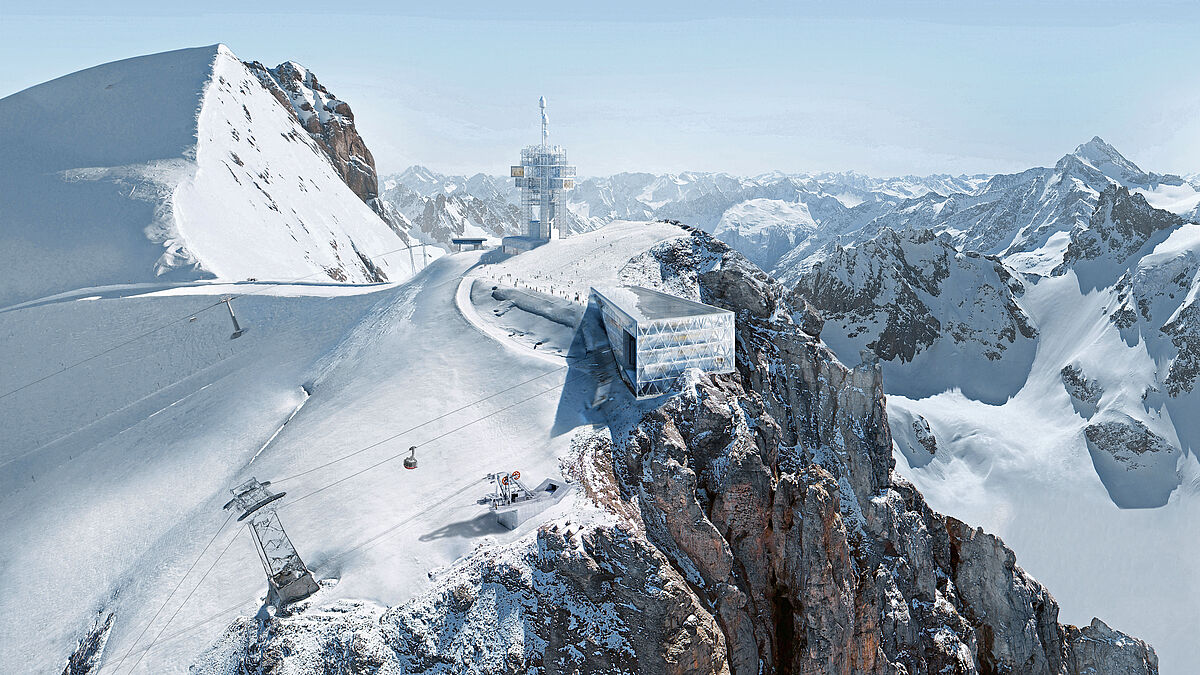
656	336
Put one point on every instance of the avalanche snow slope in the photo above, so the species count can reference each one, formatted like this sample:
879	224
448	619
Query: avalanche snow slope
173	166
119	481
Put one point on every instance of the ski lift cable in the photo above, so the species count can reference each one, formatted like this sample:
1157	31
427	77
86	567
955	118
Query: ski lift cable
109	350
369	542
185	600
435	438
377	537
374	539
172	322
174	590
418	426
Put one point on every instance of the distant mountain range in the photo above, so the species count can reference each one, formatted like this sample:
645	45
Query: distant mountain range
781	221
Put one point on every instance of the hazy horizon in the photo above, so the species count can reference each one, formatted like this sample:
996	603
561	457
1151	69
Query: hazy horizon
883	91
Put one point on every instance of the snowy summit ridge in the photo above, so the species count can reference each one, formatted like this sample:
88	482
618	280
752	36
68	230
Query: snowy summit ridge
184	167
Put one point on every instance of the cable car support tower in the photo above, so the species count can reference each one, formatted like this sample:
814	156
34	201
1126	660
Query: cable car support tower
288	579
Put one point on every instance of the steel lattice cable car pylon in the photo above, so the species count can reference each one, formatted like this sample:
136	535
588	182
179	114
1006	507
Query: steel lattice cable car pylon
288	579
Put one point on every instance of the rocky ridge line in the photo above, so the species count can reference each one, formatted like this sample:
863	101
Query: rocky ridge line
330	122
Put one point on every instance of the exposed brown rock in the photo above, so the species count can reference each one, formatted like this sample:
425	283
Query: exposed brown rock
331	124
772	491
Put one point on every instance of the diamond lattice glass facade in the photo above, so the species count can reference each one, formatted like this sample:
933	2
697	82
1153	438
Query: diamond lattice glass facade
655	336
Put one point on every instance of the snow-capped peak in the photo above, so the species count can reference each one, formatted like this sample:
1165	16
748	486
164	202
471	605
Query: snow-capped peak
1108	161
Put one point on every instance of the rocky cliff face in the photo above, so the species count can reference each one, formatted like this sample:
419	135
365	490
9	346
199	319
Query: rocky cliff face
596	599
330	122
772	491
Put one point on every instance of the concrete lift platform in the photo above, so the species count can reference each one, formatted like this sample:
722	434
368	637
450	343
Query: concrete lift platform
515	504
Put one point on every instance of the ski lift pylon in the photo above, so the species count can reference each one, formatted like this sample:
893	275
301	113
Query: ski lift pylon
238	331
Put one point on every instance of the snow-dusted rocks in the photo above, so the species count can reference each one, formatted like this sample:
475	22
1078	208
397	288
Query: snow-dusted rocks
174	166
1137	465
1120	225
912	297
571	598
330	122
1085	393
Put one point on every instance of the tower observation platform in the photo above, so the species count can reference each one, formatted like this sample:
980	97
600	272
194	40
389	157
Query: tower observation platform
544	177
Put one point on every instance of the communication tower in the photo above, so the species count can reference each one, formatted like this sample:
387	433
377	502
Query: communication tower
544	178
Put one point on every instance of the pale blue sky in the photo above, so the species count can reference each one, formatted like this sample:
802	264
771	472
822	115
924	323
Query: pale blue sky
886	89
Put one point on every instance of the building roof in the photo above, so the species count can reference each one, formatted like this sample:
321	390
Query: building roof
646	305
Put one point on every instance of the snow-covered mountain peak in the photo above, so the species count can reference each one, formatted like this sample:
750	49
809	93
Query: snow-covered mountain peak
1122	223
421	180
1107	159
1098	156
186	166
930	310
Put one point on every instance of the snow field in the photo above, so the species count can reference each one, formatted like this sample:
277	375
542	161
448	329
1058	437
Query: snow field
1023	471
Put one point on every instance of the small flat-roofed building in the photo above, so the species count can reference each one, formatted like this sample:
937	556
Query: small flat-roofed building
469	243
656	336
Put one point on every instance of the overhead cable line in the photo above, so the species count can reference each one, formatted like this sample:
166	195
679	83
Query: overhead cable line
173	590
428	441
185	600
414	428
266	286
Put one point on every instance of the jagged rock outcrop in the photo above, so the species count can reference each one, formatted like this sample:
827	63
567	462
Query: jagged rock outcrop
1085	393
90	649
330	122
772	491
924	435
1137	466
1120	225
905	290
594	599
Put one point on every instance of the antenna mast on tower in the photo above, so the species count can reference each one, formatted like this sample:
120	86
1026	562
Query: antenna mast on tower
545	120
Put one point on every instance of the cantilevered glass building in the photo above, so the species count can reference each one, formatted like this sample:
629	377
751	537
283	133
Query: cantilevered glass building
655	336
544	178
